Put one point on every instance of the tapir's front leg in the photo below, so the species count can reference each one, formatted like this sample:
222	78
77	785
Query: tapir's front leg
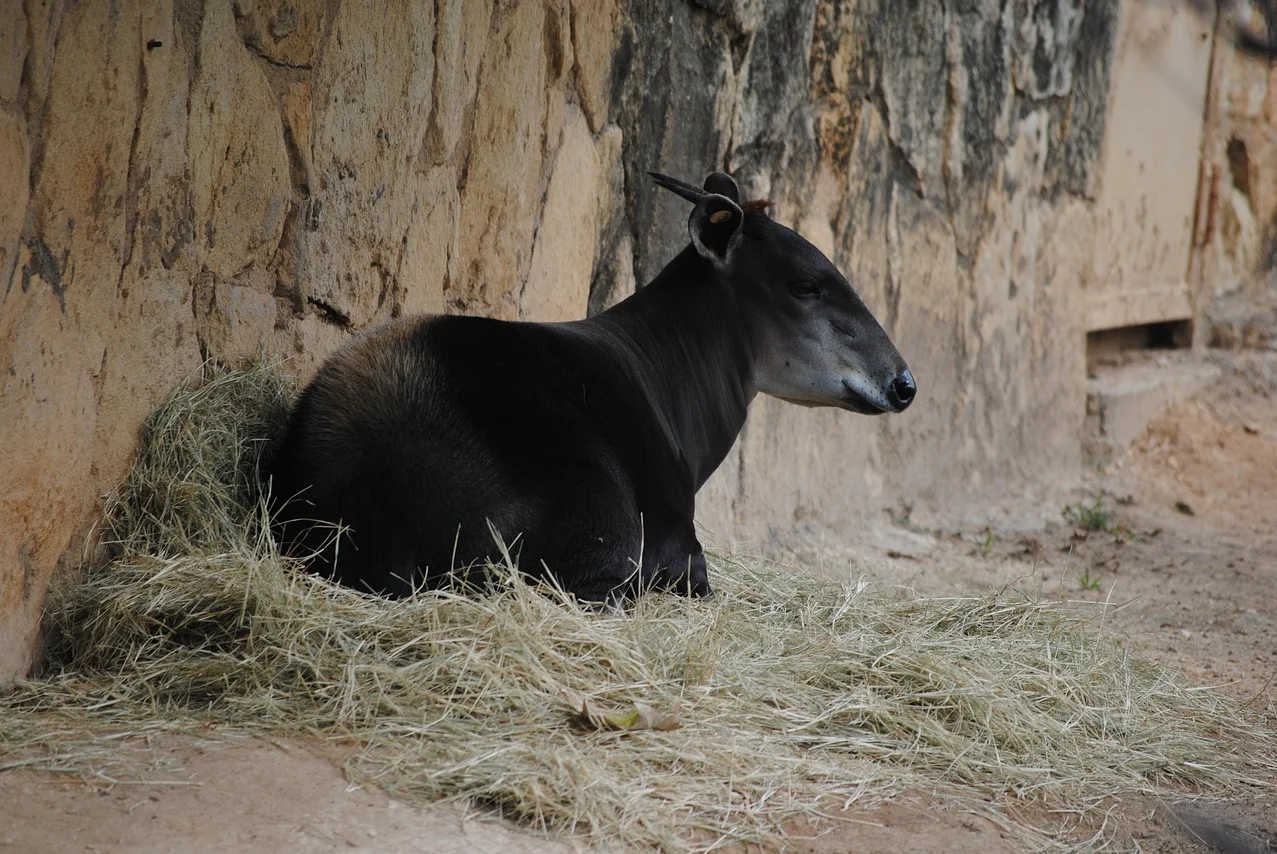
672	555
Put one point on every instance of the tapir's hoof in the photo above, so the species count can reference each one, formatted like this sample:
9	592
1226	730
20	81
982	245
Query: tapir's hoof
696	581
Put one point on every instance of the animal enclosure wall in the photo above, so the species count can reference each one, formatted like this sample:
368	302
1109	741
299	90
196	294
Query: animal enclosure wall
190	179
1153	149
1235	239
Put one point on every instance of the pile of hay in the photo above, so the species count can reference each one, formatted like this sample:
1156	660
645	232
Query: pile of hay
677	725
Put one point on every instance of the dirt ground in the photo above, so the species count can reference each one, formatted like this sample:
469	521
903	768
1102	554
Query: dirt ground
1188	565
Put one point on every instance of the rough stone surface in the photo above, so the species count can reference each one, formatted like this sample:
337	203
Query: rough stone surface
503	184
15	187
774	143
373	95
672	95
275	175
1123	400
239	165
284	31
1045	46
59	305
912	87
979	116
238	320
1236	229
460	36
593	22
1079	121
13	53
558	283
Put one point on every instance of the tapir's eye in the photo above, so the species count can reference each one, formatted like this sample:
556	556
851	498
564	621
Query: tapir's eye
804	289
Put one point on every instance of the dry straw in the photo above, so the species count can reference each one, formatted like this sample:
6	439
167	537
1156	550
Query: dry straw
791	696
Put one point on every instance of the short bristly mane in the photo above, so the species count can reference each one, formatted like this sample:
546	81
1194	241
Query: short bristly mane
757	205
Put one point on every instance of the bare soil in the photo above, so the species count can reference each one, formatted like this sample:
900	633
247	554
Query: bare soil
1188	566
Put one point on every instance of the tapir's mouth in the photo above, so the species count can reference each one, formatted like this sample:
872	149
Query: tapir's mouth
850	399
857	402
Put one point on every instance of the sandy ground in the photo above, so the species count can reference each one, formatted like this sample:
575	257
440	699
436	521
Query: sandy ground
1189	568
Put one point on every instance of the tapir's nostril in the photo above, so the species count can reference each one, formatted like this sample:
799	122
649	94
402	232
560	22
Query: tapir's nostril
902	391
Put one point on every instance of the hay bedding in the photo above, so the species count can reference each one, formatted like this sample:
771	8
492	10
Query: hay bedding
680	724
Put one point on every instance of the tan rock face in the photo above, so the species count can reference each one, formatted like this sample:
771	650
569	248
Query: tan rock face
59	303
503	187
39	500
239	166
15	158
153	345
230	177
372	102
430	248
593	30
43	21
558	283
462	31
13	52
160	184
240	320
285	31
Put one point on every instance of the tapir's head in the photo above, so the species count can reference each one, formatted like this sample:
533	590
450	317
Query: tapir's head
815	342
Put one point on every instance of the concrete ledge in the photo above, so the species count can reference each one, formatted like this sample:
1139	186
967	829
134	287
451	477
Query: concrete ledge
1122	400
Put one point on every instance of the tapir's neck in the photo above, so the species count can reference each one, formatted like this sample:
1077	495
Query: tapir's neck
689	339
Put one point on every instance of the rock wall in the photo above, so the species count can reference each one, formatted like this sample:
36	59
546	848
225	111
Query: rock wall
1237	223
1233	264
192	179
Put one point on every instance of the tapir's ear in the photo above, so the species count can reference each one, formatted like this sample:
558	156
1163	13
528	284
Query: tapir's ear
724	185
714	225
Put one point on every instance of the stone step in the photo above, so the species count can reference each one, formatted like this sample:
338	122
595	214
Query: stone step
1123	399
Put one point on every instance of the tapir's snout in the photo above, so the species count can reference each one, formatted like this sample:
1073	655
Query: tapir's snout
901	391
869	397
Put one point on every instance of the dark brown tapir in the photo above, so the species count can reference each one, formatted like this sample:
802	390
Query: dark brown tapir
578	445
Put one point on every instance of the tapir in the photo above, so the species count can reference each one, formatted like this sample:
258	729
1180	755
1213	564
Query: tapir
430	447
